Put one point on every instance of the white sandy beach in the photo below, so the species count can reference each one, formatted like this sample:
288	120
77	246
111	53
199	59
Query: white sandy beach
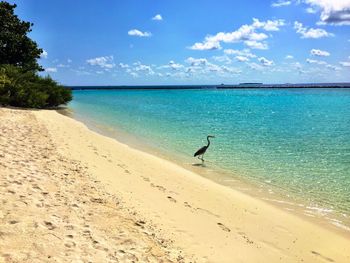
68	194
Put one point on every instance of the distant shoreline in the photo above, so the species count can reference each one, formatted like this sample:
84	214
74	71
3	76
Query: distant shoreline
222	86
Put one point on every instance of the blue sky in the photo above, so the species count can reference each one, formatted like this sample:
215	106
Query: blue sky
145	42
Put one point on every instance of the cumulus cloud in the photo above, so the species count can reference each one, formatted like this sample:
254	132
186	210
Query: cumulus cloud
207	45
281	3
223	58
139	67
157	17
289	57
345	63
314	61
44	54
122	65
51	69
246	33
138	33
310	32
265	61
172	65
255	66
319	53
134	74
105	62
242	58
230	70
334	12
197	61
255	44
333	67
63	65
245	52
310	10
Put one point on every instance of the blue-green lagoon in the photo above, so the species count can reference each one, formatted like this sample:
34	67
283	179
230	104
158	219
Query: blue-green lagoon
292	145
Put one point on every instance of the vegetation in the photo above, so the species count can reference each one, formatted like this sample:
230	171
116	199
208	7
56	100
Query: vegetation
27	89
20	82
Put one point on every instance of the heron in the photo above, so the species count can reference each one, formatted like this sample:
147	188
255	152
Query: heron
200	153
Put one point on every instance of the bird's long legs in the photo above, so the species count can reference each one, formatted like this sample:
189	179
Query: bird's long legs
200	157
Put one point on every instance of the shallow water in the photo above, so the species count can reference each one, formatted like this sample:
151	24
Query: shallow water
294	142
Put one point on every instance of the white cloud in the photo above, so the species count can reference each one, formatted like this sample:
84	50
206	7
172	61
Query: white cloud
134	74
157	17
280	3
197	61
310	32
345	63
242	58
265	61
122	65
223	58
245	52
289	57
310	10
207	45
51	69
69	60
139	67
255	66
319	53
269	25
63	66
106	62
314	61
334	12
256	45
138	33
246	33
173	65
333	67
44	54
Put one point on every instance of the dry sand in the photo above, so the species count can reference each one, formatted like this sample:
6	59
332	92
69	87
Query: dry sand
68	194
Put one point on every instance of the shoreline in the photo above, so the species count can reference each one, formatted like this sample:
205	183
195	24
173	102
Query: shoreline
206	221
314	214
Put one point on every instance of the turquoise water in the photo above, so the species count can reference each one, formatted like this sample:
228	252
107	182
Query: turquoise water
295	142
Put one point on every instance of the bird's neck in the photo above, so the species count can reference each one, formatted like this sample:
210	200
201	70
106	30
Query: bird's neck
208	141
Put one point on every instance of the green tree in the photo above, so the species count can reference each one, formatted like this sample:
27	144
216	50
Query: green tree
16	48
20	84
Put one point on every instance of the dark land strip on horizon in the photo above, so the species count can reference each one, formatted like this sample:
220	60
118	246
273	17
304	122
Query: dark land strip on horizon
222	86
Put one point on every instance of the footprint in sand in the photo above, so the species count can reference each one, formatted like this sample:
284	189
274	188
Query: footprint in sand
223	227
245	237
145	178
159	187
49	225
187	205
171	199
70	244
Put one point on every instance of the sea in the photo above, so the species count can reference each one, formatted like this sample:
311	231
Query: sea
290	147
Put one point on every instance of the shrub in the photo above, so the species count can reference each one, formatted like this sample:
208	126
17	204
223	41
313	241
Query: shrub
27	89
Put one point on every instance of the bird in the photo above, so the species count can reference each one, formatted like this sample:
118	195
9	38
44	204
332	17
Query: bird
200	153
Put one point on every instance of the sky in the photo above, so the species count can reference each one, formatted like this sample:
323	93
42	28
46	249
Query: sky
175	42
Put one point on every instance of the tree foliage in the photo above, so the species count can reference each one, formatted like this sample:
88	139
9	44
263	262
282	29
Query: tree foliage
16	48
20	83
27	89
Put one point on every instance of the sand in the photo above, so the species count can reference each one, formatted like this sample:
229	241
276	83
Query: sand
68	194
